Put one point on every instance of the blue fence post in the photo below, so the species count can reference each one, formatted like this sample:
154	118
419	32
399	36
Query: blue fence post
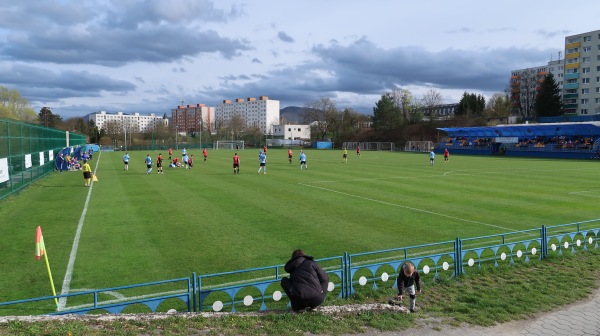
345	275
544	237
194	289
457	257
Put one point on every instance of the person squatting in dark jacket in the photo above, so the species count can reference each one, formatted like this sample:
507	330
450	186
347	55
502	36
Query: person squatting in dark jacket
407	279
307	285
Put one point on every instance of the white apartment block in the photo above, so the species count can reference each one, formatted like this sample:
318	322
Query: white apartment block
581	91
291	131
120	121
262	113
525	84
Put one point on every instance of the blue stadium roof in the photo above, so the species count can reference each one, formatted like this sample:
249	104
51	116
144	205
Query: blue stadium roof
525	131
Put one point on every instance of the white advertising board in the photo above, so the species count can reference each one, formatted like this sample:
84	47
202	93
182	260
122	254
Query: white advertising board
4	170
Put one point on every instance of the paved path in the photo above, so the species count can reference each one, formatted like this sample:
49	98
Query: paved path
578	319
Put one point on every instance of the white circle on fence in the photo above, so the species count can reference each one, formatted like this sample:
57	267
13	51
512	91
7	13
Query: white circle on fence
362	281
503	256
384	276
277	295
566	245
248	300
445	266
471	262
578	242
533	251
553	246
519	254
217	306
330	286
426	269
591	240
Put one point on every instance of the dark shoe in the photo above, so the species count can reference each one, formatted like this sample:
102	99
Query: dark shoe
414	310
394	302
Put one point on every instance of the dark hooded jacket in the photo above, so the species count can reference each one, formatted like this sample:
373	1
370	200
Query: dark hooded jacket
307	277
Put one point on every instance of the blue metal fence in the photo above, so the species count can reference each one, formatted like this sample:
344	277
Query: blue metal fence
259	289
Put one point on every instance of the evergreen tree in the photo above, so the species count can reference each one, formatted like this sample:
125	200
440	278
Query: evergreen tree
548	101
471	104
49	119
385	113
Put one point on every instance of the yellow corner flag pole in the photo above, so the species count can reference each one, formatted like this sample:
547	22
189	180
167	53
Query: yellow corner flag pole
40	250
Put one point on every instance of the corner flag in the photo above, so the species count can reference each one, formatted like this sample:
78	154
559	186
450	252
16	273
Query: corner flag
40	250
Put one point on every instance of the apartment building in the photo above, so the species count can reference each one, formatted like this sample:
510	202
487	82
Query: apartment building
262	112
581	91
188	119
526	83
115	123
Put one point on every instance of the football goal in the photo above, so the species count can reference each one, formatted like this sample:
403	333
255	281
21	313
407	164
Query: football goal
229	144
418	146
370	146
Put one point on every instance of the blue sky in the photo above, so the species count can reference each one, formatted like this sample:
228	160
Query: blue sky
79	56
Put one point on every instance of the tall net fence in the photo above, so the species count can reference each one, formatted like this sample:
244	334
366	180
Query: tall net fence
28	152
370	146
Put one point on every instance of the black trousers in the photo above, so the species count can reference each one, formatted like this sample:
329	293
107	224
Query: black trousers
296	301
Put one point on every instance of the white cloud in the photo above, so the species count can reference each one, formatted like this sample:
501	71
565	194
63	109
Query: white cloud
145	55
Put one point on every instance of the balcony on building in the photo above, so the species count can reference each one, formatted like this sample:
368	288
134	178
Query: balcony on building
572	75
571	86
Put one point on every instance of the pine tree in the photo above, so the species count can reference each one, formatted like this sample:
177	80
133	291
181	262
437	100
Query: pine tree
385	113
548	102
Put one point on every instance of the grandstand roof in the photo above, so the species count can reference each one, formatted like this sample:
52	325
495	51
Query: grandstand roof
527	130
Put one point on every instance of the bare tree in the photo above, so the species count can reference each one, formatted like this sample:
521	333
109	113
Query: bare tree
405	102
236	126
523	87
323	114
431	100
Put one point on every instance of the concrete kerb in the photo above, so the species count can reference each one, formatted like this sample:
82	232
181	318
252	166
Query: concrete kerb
345	309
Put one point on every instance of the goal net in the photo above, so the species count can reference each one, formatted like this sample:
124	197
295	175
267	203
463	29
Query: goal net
418	146
229	144
370	146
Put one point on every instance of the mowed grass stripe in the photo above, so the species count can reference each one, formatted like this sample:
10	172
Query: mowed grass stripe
152	227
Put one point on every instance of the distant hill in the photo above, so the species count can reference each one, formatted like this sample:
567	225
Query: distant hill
292	114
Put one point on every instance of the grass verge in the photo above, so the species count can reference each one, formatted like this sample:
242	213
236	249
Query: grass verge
492	295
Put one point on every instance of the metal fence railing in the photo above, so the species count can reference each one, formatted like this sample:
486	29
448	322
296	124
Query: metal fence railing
259	289
28	151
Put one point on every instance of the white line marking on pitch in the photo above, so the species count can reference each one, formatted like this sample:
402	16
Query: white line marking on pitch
585	192
364	179
466	172
62	302
406	207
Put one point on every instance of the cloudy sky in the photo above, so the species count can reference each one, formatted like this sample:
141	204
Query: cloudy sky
81	56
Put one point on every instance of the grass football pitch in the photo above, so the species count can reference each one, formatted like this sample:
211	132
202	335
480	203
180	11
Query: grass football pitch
137	228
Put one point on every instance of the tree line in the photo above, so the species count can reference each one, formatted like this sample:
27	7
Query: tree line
398	116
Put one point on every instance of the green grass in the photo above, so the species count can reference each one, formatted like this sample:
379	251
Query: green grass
491	296
141	228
